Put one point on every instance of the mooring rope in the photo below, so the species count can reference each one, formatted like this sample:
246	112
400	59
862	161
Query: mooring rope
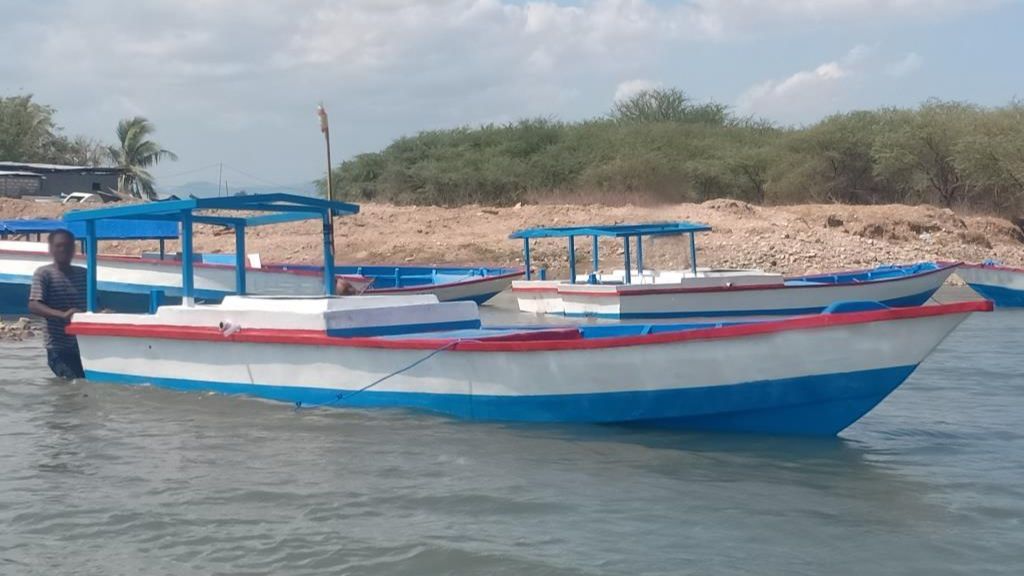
341	396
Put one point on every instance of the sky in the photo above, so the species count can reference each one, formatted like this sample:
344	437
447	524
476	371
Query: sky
238	81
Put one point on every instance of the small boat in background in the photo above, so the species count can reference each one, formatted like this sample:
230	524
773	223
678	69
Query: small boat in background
702	292
809	375
137	283
1003	285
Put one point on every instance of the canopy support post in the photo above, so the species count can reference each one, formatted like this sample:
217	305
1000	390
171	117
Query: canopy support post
572	259
328	252
629	273
693	254
526	257
187	265
640	257
163	249
90	266
240	260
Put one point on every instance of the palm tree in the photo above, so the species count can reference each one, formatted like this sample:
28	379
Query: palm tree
134	155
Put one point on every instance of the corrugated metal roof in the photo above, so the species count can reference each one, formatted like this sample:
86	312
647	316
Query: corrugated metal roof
16	173
37	168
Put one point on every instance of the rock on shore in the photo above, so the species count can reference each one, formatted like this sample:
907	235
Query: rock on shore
19	329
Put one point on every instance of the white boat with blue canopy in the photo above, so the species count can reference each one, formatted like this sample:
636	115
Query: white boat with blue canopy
137	283
810	375
639	292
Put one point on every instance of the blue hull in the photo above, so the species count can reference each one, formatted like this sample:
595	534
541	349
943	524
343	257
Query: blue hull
14	299
820	405
1002	297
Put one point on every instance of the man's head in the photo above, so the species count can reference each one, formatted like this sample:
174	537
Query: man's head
62	247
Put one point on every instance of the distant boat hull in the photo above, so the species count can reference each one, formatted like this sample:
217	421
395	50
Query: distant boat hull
126	283
1003	285
803	295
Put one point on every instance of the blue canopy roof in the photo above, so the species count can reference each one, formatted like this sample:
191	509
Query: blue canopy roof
280	208
105	229
614	230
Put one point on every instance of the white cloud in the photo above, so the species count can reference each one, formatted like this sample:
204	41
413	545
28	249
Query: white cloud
805	94
222	77
904	66
629	88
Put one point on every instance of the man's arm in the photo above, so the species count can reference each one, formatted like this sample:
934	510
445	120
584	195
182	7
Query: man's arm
38	308
37	297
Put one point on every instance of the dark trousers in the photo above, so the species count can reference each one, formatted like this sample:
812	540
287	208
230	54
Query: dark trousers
65	363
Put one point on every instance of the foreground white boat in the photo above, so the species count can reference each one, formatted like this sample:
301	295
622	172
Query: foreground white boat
812	375
806	375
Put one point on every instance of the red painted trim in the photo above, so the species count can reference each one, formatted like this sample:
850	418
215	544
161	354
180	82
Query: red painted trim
668	289
319	338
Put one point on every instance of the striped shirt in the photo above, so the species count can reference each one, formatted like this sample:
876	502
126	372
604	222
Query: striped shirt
60	291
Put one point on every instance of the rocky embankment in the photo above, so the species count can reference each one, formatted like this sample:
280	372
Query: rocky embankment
18	329
788	239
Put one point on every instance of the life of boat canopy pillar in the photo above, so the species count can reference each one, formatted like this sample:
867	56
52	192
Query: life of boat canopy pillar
271	209
624	231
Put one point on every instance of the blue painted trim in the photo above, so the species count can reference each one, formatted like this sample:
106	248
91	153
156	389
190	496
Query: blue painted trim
172	209
902	302
403	329
595	255
14	299
821	405
1000	296
614	230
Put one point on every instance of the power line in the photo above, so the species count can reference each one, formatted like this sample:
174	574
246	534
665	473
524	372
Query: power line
187	172
263	180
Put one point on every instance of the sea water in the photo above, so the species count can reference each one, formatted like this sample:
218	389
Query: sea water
109	480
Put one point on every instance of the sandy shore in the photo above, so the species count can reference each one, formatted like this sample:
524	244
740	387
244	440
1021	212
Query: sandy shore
788	239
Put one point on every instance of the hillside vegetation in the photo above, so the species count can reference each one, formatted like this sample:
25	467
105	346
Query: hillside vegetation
660	147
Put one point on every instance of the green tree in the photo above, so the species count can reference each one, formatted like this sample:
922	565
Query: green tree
27	131
668	105
992	157
918	149
135	153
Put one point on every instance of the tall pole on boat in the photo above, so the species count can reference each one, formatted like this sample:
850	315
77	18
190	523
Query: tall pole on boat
326	129
329	216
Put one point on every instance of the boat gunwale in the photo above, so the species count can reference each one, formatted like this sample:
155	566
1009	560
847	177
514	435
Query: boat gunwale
996	267
669	289
320	338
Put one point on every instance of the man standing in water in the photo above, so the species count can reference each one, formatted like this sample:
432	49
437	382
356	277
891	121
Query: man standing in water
58	291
